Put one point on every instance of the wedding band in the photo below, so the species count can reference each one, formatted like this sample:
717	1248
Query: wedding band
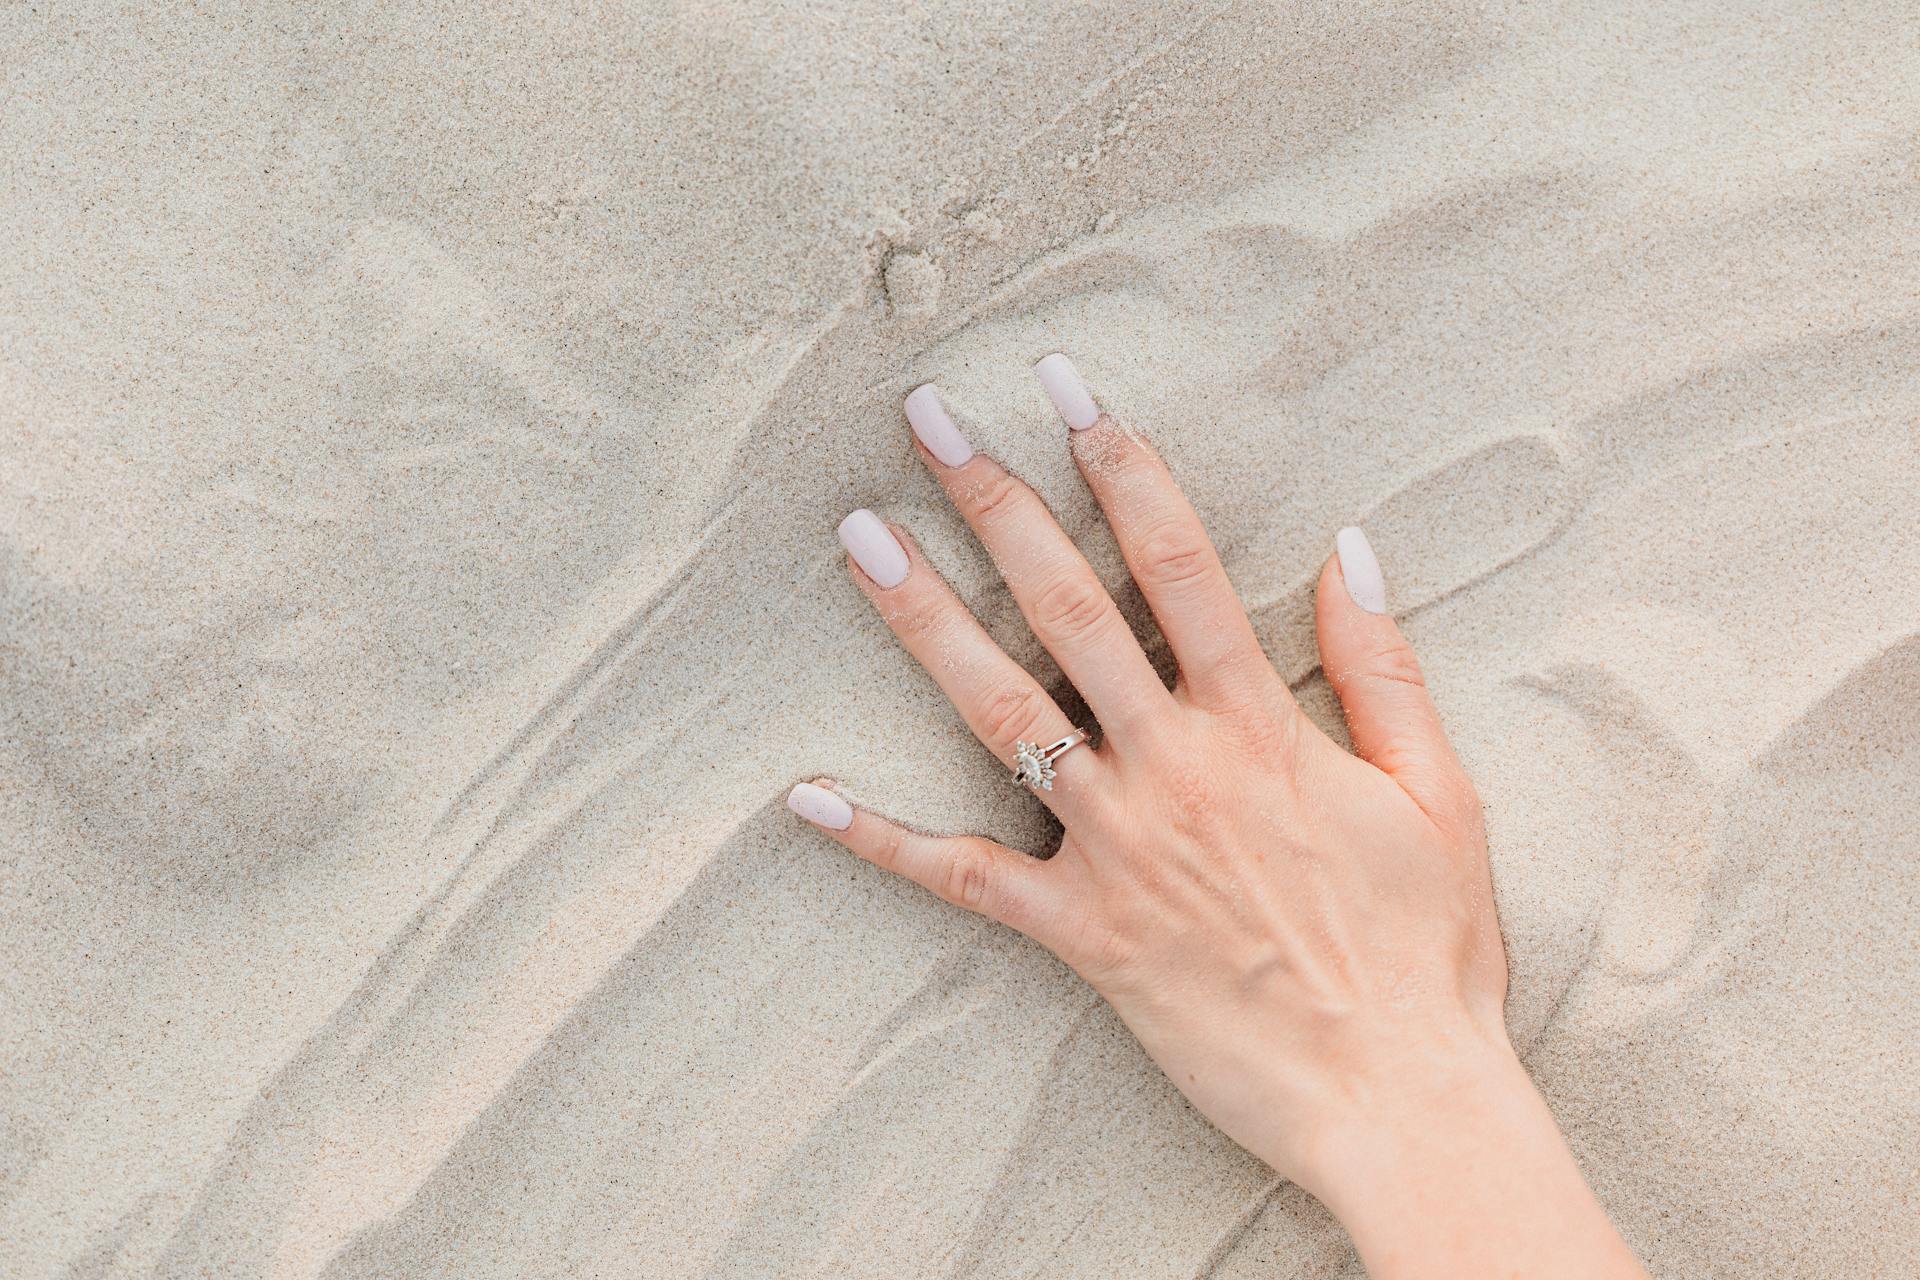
1033	764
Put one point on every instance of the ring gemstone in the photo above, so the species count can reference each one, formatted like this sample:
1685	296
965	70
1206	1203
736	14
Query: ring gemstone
1031	768
1033	763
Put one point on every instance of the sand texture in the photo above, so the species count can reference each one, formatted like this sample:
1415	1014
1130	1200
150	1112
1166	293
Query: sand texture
424	430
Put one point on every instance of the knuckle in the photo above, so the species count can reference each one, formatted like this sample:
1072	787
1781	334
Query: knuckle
1010	715
997	493
1071	609
1171	555
1261	730
921	620
967	880
889	850
1103	953
1131	456
1394	661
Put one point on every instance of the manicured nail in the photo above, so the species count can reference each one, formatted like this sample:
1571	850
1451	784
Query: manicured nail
934	425
874	548
1068	393
1361	571
817	804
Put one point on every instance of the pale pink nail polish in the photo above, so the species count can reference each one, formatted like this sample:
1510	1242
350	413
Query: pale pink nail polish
819	805
1361	570
874	548
934	425
1064	386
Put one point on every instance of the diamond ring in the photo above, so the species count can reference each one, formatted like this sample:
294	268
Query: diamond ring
1033	764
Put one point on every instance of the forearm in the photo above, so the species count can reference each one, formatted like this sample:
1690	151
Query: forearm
1476	1183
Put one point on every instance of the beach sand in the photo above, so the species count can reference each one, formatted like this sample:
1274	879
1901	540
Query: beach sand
424	435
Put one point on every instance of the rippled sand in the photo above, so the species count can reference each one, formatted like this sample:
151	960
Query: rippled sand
423	442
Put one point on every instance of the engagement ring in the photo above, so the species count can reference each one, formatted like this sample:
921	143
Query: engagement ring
1033	764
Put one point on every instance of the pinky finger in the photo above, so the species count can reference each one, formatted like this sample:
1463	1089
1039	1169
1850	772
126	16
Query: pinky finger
969	871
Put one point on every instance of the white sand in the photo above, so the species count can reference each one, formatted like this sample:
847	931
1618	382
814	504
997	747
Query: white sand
423	441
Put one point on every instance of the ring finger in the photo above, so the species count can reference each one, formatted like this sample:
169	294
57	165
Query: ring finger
998	698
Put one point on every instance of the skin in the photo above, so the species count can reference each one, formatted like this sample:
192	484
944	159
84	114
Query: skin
1302	937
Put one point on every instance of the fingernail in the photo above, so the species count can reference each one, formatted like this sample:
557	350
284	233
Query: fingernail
1069	394
874	548
817	804
1361	571
934	425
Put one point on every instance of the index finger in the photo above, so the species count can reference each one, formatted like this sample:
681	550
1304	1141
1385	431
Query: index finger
1166	548
1063	600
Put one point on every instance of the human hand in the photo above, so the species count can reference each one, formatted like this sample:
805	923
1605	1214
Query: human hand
1303	938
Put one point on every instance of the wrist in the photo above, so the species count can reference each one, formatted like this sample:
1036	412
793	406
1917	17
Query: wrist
1455	1108
1469	1176
1423	1104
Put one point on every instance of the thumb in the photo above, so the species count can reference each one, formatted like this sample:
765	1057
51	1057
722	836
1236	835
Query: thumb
1371	667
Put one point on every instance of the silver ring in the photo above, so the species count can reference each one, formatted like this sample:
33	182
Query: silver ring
1033	764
